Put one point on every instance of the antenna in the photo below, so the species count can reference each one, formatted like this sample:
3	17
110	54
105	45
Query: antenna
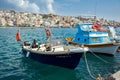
95	9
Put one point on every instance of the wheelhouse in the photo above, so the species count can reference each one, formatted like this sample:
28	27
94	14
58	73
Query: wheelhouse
86	35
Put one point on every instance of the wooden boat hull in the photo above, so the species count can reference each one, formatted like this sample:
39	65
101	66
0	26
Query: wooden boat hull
63	59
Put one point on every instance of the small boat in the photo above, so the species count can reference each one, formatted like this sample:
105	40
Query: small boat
54	53
97	40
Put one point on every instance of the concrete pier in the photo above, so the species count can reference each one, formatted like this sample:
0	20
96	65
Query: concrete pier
115	76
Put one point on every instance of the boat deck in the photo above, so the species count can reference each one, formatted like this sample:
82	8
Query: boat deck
55	50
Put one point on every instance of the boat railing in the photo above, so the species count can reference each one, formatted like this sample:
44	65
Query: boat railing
89	28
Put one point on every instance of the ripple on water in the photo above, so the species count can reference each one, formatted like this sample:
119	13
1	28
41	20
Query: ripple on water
14	66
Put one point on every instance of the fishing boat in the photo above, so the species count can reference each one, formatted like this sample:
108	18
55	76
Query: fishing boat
53	52
113	36
96	39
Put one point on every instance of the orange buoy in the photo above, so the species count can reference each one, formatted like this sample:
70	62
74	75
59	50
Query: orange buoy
18	38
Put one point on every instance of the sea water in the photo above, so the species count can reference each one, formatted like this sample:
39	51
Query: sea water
15	66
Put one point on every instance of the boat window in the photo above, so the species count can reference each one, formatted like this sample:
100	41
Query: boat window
85	27
105	39
56	42
85	40
78	39
96	39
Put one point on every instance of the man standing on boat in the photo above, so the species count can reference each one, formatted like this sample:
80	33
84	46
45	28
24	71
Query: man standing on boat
34	44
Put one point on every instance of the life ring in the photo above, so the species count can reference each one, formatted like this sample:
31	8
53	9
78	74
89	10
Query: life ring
93	27
48	33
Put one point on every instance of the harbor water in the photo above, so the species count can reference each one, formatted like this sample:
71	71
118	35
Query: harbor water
15	66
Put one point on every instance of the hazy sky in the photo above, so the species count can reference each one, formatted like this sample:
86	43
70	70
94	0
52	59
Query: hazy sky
108	9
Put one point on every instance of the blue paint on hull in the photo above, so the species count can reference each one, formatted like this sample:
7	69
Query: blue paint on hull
67	60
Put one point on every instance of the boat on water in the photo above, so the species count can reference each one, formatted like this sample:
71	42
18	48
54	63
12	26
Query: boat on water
113	36
96	39
53	52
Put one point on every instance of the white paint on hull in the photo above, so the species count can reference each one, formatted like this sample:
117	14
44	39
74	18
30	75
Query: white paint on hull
110	50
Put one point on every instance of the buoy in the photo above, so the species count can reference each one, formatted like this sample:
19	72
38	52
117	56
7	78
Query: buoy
18	38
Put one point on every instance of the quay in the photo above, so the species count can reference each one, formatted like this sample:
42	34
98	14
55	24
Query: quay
115	76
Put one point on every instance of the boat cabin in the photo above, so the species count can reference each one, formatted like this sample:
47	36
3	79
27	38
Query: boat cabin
57	45
87	35
53	46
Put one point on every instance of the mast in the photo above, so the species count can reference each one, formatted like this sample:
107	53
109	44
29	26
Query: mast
95	10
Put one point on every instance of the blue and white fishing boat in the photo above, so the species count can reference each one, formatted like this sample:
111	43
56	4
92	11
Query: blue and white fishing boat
97	40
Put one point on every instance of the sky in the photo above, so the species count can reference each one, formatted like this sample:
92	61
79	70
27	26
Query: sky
108	9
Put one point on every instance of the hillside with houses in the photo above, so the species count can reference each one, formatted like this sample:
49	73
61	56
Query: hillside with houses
26	19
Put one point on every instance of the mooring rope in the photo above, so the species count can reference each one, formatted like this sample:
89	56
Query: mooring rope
103	59
98	57
88	69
